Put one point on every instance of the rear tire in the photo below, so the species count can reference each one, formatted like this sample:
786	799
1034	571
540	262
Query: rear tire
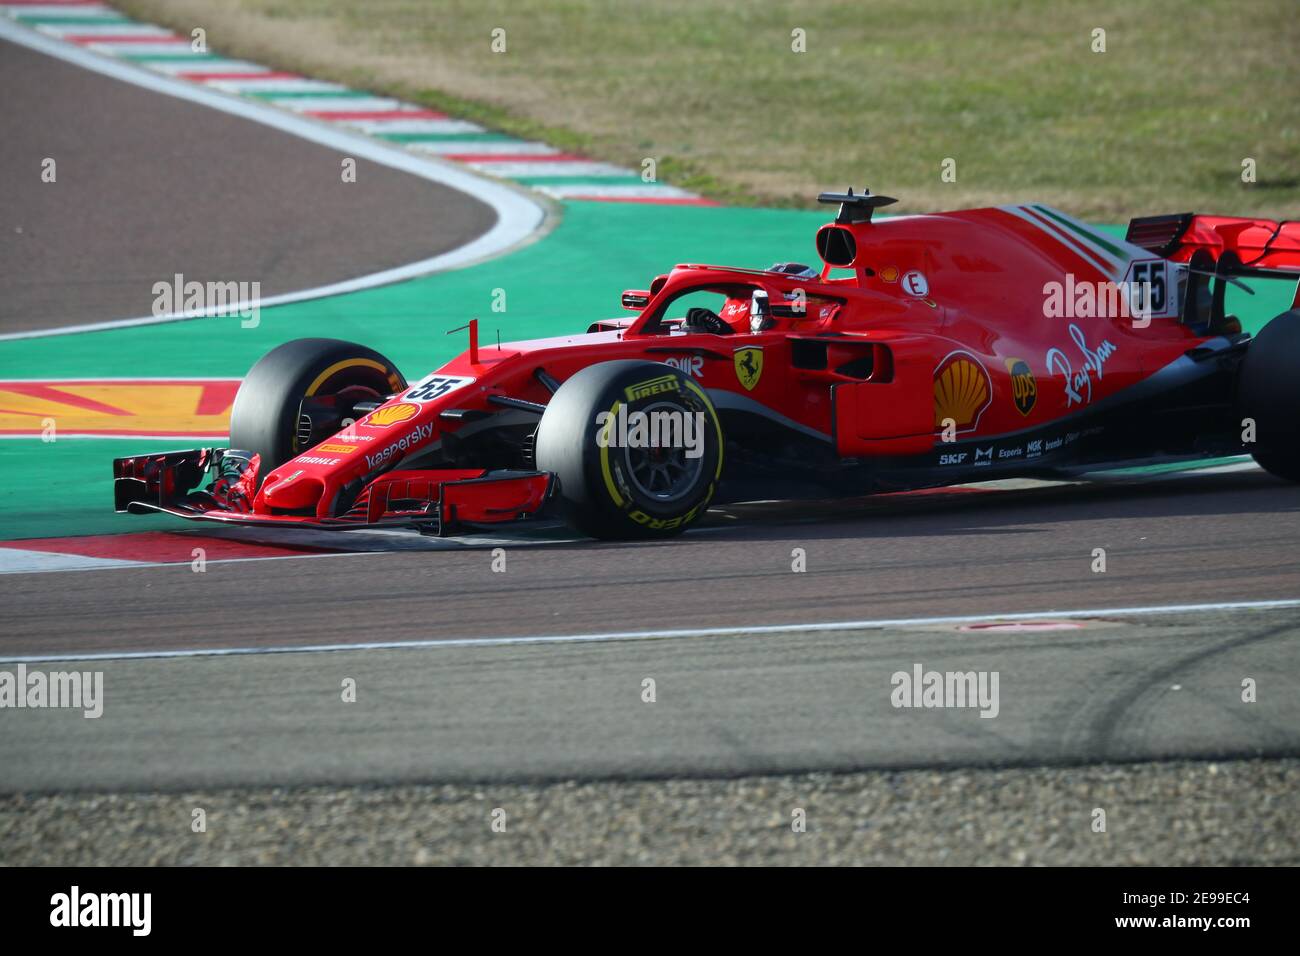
269	403
619	492
1269	393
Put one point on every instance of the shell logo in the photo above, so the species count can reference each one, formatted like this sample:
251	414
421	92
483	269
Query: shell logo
962	390
392	414
171	409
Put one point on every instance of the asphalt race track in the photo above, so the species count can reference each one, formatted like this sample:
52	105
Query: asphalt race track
1201	538
1087	689
149	186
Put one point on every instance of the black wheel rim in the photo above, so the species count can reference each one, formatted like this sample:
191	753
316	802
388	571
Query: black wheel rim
663	474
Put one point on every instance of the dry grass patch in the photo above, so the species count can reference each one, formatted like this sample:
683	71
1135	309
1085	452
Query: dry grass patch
885	92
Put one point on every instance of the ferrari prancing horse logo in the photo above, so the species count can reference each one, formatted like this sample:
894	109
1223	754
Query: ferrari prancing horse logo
749	366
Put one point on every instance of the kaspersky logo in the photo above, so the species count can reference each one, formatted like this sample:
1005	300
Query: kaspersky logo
418	434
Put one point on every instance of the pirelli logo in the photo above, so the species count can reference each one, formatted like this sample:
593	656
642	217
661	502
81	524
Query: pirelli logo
653	386
337	449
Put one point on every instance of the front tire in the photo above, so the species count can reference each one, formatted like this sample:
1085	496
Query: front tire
1269	393
612	484
301	392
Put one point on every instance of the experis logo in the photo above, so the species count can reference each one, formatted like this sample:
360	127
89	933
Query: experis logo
418	434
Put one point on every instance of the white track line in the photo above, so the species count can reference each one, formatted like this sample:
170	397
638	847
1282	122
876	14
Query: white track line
260	84
561	167
114	28
619	636
23	561
27	561
350	104
177	68
519	217
181	46
63	10
618	192
460	147
443	126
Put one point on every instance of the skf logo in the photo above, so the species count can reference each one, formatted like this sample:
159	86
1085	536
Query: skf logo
1024	388
651	386
749	366
392	414
337	449
962	390
953	459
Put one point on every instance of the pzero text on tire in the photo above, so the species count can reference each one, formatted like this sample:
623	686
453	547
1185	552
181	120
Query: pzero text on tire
303	391
637	447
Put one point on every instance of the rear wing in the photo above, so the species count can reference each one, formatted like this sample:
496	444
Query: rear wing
1224	246
1248	246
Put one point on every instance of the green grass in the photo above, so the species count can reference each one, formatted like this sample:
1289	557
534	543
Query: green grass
1012	91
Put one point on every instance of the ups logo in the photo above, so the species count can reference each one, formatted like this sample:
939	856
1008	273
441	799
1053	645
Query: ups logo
1024	388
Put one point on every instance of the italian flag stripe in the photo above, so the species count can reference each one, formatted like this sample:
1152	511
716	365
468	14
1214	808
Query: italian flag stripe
1086	233
1090	255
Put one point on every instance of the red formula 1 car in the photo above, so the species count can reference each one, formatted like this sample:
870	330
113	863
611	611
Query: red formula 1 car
926	350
